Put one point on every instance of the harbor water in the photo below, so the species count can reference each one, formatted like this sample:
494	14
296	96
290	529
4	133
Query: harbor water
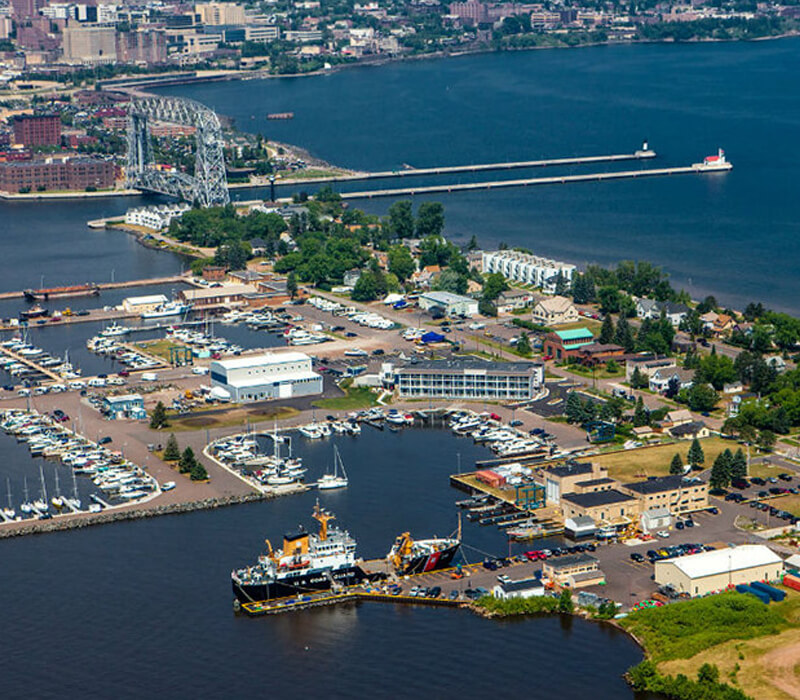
147	604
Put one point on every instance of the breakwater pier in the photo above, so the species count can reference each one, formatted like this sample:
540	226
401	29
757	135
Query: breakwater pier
531	182
643	154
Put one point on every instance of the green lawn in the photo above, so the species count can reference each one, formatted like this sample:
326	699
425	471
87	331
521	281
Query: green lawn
632	465
355	398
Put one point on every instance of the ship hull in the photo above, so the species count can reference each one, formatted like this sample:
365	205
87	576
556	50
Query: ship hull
431	562
296	585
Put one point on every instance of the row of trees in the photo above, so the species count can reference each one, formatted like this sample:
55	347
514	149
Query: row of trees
187	461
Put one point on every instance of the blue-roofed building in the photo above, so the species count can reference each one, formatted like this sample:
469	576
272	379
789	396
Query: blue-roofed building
125	406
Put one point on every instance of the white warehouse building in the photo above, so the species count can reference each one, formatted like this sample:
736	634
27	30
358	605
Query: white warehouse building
155	217
527	269
450	304
264	377
700	574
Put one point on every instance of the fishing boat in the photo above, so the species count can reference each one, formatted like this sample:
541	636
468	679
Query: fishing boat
335	480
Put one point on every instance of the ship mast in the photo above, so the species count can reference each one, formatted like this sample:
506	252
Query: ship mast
322	517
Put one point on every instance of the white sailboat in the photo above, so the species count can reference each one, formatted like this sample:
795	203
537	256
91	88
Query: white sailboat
75	501
57	500
9	512
27	506
41	505
335	480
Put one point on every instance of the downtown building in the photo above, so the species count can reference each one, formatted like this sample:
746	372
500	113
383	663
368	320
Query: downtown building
57	174
37	130
525	268
469	379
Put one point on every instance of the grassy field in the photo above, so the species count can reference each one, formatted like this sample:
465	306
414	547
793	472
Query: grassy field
602	373
765	470
227	418
158	348
763	662
630	465
355	399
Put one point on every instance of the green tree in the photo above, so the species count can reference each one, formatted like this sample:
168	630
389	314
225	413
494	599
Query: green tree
291	284
565	604
198	472
639	379
158	418
573	409
430	219
401	219
486	307
473	243
400	262
676	465
708	673
739	465
366	288
607	330
720	473
451	281
187	461
696	455
233	255
701	397
623	335
172	452
766	440
524	345
494	285
640	414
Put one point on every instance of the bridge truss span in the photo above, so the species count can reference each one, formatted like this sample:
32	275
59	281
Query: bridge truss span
209	186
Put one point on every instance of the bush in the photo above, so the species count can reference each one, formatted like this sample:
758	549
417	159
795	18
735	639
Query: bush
519	606
683	629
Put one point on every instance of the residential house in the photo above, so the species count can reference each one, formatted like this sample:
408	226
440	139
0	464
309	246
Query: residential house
677	417
690	431
424	277
554	311
350	277
258	246
511	300
649	309
647	365
737	400
717	324
661	378
776	362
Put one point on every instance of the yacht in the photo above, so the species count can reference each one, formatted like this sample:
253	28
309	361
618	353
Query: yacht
172	308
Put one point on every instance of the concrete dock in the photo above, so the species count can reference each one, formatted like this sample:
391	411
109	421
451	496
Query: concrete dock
528	182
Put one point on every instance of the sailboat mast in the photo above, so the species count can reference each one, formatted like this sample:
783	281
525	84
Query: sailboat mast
8	486
44	486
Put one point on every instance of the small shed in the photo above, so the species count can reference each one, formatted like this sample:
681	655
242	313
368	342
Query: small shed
579	526
523	588
655	519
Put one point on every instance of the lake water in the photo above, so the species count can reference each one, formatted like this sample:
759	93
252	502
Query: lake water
735	234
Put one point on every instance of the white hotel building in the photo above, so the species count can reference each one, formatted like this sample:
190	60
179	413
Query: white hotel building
527	269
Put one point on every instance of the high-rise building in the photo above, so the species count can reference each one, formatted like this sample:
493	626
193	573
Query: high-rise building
217	13
37	130
90	44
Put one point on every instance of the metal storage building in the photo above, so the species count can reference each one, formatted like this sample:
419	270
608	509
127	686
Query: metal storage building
700	574
269	376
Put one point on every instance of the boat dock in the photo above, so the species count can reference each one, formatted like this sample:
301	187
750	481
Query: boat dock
458	579
36	367
530	182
